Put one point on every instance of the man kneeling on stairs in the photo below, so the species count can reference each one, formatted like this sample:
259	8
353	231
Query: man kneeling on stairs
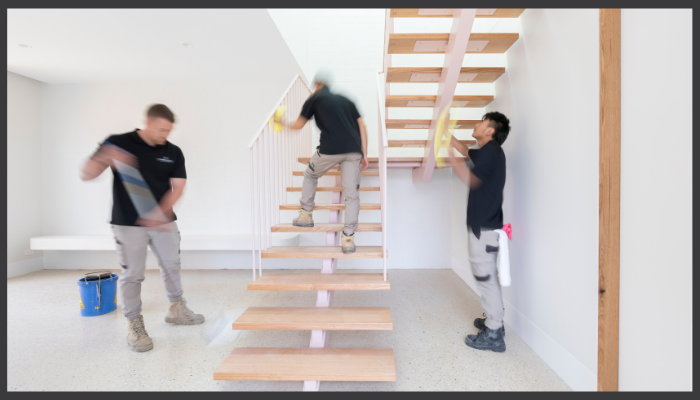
343	141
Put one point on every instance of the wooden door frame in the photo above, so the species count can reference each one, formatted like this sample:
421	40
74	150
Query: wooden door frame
609	202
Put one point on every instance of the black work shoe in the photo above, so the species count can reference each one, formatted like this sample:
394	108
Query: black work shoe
487	339
480	323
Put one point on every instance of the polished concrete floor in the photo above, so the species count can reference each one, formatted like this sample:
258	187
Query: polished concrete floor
51	347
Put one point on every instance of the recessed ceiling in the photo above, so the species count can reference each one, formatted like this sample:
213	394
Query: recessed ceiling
149	45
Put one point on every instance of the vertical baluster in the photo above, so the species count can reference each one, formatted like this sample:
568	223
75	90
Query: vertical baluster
275	163
252	206
265	195
258	216
268	143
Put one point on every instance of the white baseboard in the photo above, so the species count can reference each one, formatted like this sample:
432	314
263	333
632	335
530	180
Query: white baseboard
570	369
22	267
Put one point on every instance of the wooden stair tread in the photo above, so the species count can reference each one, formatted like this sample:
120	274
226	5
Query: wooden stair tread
305	160
318	281
413	13
327	227
307	364
403	43
442	160
321	252
420	123
337	173
422	143
402	100
334	188
484	75
310	318
339	206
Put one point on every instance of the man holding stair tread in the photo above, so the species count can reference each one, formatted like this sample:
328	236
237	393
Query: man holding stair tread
343	141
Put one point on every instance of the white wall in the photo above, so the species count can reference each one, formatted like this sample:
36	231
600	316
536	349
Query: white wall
215	122
294	28
550	94
656	200
24	189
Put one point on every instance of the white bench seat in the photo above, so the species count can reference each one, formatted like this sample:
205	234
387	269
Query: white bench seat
189	242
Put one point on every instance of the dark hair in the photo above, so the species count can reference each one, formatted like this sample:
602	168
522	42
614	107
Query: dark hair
160	111
500	126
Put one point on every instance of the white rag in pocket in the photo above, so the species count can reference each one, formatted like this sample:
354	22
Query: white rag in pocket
503	264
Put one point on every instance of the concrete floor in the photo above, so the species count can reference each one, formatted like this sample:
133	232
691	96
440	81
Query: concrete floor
51	347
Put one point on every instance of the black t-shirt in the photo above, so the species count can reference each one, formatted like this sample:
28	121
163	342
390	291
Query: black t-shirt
484	207
336	117
157	164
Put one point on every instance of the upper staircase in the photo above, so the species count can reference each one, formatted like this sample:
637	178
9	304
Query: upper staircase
276	159
460	41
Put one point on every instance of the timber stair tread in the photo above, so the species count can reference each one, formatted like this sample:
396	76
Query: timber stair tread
425	124
327	227
314	318
319	281
423	75
404	43
307	364
305	160
481	13
415	100
422	143
321	252
335	189
337	173
331	206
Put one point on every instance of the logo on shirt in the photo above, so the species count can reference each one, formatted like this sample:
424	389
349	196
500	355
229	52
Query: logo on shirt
165	159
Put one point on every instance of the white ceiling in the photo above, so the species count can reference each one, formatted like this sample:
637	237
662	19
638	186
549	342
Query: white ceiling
96	45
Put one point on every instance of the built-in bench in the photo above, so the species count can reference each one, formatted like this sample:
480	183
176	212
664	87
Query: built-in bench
188	242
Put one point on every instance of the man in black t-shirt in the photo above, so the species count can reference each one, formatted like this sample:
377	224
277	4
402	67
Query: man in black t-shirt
145	167
343	141
486	177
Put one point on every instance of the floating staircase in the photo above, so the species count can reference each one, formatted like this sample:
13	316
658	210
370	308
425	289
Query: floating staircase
275	158
270	184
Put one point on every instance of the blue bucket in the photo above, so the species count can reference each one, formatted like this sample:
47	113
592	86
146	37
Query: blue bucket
98	293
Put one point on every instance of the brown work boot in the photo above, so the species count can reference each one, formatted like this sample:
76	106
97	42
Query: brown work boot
304	219
138	339
348	243
179	314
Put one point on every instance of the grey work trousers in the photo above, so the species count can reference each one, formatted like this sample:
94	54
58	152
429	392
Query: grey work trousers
350	171
482	256
132	243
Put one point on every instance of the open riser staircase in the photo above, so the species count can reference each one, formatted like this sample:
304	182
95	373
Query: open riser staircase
277	157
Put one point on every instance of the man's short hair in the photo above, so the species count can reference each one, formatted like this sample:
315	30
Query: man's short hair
160	111
500	126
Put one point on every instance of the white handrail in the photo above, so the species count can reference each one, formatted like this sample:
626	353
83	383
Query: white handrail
273	158
383	146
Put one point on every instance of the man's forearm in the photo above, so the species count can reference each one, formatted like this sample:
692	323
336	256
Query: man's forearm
460	147
169	200
91	169
363	138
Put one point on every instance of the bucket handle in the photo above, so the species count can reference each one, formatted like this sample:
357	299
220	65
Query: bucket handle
99	283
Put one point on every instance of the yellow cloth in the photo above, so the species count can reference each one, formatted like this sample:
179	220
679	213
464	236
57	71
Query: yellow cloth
443	129
279	112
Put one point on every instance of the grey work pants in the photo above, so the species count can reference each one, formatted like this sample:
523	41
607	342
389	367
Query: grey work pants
132	243
350	171
482	256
